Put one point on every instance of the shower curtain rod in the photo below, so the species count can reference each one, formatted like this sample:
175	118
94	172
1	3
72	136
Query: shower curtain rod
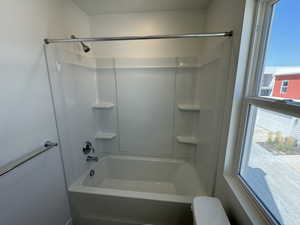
129	38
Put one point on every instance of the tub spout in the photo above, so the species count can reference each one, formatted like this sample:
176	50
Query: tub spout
91	158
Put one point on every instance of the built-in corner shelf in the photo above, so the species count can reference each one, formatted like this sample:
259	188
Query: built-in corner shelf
105	136
186	107
187	140
103	105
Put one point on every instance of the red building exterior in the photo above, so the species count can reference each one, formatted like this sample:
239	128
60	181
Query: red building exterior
287	86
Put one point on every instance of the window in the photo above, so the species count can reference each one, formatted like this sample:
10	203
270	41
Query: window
284	86
269	166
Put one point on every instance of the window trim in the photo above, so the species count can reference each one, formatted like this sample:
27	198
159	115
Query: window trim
259	45
263	18
251	96
280	106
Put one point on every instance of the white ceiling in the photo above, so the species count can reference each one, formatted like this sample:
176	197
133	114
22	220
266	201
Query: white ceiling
93	7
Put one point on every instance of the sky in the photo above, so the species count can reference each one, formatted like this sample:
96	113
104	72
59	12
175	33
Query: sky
284	39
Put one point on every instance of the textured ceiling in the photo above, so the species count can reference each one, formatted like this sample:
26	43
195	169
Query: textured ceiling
93	7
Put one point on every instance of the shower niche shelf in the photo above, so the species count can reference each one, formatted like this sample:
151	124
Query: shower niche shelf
103	105
187	140
188	107
105	136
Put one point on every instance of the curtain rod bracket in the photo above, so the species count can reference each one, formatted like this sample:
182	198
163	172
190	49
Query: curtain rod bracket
230	33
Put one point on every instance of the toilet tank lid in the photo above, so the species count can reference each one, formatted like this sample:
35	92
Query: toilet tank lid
209	211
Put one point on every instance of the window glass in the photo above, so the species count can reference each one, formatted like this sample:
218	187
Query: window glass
271	163
281	72
284	86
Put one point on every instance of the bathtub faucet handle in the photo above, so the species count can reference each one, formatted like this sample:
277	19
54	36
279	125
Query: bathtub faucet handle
88	147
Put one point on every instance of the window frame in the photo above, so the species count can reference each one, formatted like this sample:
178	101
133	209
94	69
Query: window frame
255	65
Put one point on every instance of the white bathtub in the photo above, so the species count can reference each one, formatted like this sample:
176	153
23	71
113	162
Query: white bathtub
135	190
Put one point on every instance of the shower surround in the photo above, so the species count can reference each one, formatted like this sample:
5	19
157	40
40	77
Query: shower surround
153	123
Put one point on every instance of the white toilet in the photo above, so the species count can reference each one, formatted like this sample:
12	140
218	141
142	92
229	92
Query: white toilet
209	211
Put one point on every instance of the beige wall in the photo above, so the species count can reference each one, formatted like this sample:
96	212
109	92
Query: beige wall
26	115
149	23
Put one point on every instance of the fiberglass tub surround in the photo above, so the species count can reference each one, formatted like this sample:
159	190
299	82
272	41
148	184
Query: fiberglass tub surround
152	123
